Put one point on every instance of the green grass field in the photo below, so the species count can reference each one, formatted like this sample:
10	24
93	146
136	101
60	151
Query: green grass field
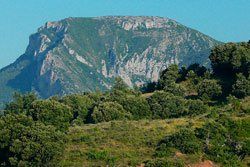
120	143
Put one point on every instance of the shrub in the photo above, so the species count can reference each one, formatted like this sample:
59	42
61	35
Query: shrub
20	103
196	107
80	105
137	106
51	112
223	141
108	111
101	155
241	88
209	89
230	58
165	105
24	142
184	140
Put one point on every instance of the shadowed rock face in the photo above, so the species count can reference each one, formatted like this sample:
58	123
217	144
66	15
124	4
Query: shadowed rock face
84	54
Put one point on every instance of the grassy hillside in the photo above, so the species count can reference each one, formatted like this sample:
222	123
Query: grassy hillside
119	143
129	143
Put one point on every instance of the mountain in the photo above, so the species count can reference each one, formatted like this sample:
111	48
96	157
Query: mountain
84	54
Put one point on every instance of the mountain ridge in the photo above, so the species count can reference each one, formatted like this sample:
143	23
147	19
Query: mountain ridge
79	54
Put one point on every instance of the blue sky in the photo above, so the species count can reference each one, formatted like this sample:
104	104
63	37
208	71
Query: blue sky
224	20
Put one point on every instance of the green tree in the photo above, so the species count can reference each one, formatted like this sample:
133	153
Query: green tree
166	105
170	75
168	80
196	107
241	88
209	89
80	105
137	106
108	111
51	112
120	84
24	142
231	58
228	60
21	103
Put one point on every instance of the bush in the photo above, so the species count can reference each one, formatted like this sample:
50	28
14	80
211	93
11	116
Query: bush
241	88
184	140
137	106
175	89
230	58
224	141
80	105
108	111
171	74
196	107
24	142
20	103
51	112
165	105
209	89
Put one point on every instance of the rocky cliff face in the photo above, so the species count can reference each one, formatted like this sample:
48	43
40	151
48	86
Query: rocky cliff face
83	54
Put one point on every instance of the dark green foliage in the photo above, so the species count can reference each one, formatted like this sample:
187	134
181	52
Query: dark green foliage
171	74
24	142
165	105
80	105
149	87
137	106
131	100
209	89
51	112
175	89
108	111
21	103
193	71
167	81
231	58
241	88
120	85
227	61
196	107
184	140
197	69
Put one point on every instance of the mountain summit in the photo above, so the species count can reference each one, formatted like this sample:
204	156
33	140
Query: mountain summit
84	54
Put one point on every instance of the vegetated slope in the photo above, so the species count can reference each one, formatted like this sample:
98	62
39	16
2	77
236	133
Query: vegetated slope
119	143
85	54
135	143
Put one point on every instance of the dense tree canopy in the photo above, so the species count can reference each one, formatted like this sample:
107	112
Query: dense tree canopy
209	89
24	142
166	105
51	112
80	104
228	61
231	58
